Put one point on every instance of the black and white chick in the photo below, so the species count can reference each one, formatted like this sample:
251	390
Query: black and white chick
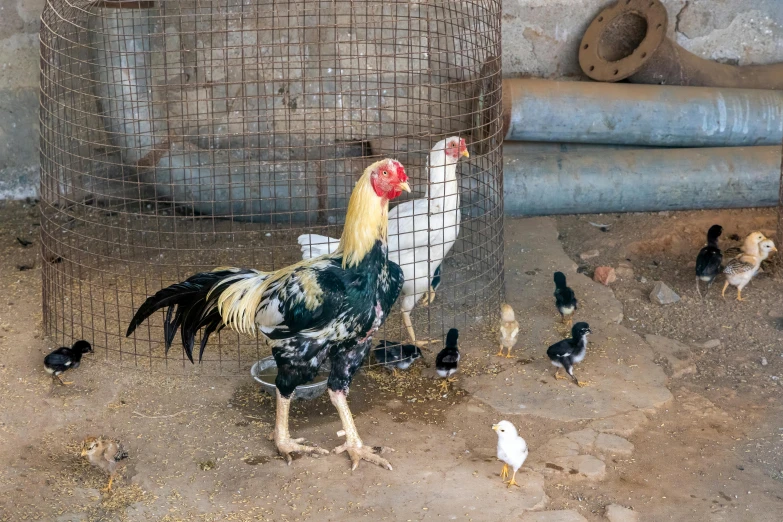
568	352
565	300
709	260
447	361
63	359
394	356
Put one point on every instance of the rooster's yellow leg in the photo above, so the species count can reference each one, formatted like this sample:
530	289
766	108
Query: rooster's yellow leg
504	472
406	318
500	352
725	286
353	444
285	444
513	481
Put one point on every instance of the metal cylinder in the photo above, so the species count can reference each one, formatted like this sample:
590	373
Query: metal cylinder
628	40
638	180
651	115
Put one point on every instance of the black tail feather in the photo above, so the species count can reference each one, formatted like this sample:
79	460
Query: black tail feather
189	310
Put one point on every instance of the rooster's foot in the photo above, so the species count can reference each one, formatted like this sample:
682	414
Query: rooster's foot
368	453
287	446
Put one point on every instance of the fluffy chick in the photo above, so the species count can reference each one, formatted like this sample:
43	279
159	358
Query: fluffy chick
750	246
447	361
107	454
740	270
512	450
394	356
565	300
568	352
63	359
709	259
509	330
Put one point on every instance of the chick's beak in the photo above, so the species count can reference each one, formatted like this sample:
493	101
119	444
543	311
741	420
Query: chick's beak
84	453
403	185
495	427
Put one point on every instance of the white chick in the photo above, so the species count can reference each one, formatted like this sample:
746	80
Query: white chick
509	329
512	450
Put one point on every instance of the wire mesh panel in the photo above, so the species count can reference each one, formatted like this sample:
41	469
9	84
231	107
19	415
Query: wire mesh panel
181	135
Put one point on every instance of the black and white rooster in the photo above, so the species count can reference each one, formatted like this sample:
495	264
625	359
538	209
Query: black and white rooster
328	306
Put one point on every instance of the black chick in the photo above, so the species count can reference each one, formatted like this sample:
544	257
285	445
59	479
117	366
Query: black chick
709	260
565	300
447	361
64	359
568	352
395	356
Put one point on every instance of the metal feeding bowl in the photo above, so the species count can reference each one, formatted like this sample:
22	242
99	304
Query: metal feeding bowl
261	370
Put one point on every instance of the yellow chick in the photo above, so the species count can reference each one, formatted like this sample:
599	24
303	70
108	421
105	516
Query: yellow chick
740	270
107	454
509	329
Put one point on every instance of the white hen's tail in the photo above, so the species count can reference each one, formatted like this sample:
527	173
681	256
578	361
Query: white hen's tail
314	245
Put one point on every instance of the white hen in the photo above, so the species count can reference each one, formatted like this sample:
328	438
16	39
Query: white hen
512	450
421	231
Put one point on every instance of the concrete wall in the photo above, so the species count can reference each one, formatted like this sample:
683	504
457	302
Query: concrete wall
540	39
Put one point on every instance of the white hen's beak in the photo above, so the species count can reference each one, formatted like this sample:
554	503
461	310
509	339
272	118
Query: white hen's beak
465	153
495	427
404	186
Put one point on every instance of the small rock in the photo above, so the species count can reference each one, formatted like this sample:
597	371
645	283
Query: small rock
712	343
605	275
613	445
584	256
764	361
624	272
564	515
663	295
642	279
618	513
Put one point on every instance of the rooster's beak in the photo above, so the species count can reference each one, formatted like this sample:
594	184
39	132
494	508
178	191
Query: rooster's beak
495	427
465	153
404	186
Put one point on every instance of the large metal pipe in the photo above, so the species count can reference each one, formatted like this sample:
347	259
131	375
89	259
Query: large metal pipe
628	40
651	115
638	180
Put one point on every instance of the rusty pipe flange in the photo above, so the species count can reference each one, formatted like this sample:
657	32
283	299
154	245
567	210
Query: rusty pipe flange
621	39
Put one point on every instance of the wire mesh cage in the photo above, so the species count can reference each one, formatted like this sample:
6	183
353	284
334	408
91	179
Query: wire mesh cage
181	135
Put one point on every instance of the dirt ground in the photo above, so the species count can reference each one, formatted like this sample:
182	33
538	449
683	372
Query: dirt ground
198	446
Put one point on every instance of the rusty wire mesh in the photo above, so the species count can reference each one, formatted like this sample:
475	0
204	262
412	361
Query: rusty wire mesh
181	135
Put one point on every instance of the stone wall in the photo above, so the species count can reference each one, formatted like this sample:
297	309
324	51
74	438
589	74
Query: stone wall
540	38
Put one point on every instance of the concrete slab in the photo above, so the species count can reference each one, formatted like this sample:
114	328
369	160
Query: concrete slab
563	515
619	363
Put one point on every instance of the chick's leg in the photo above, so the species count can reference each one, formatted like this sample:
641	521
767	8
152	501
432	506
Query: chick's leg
500	352
739	294
725	286
64	383
558	376
353	444
285	444
513	481
108	486
504	472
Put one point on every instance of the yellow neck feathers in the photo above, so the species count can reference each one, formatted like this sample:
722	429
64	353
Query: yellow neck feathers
366	221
